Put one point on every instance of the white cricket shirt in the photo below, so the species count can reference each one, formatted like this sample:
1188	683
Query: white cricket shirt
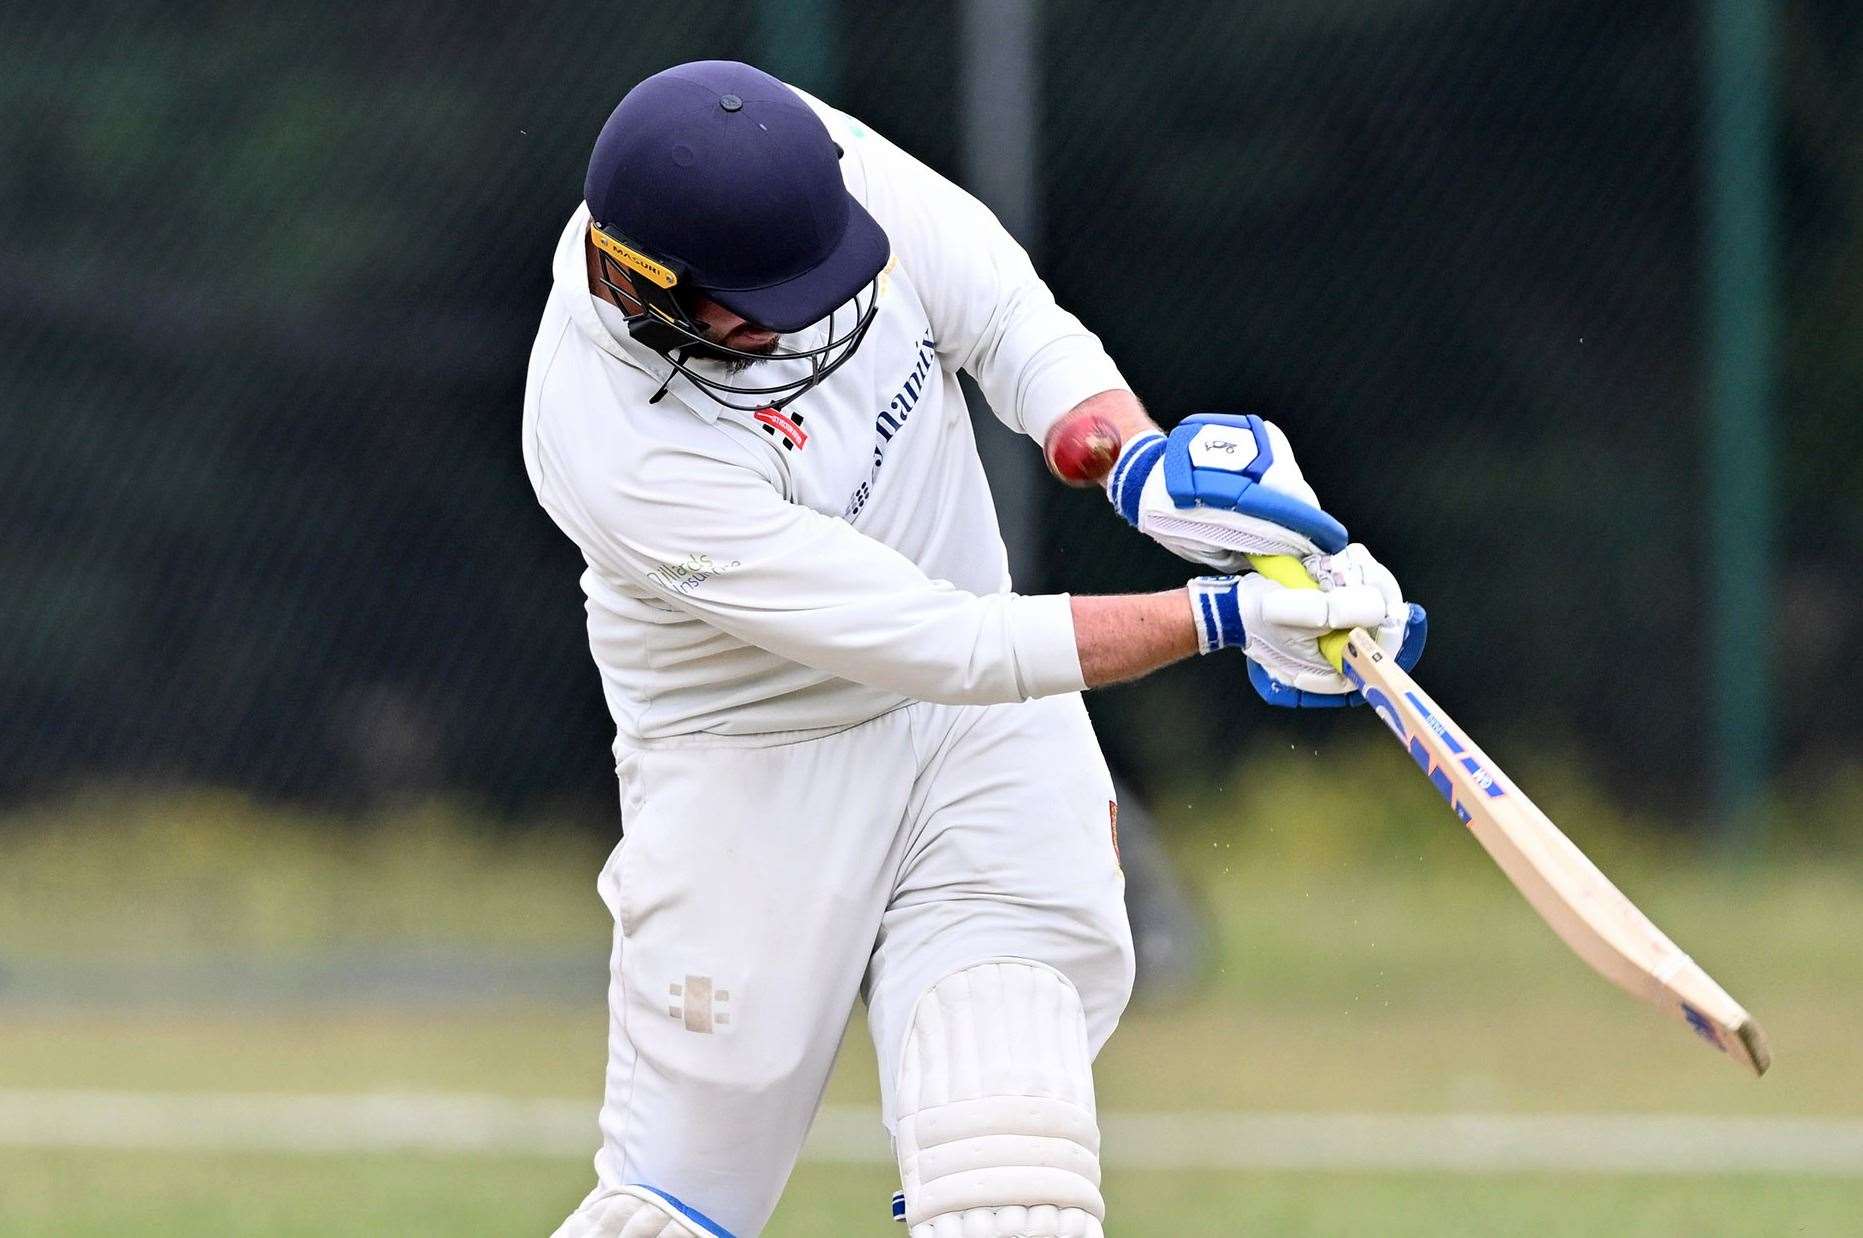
767	578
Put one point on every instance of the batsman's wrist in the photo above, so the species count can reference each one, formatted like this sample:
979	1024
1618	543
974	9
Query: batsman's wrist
1127	480
1217	611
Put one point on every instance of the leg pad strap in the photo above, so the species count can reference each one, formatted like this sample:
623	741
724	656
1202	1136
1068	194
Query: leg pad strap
996	1131
1001	1150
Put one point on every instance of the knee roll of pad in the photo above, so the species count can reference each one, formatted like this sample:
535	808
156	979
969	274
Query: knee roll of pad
996	1132
638	1212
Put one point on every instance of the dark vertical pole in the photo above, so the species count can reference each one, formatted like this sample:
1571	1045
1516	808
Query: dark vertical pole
999	67
1001	86
799	41
1738	132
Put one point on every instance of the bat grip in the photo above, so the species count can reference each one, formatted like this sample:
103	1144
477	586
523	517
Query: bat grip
1287	570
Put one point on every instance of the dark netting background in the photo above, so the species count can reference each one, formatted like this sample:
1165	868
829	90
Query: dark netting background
271	273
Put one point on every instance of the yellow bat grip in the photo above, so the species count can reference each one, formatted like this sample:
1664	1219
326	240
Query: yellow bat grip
1287	570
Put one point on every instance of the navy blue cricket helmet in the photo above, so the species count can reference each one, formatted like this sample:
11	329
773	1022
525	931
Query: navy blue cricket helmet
715	179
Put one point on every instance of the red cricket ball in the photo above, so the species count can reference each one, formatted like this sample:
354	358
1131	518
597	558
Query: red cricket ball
1081	450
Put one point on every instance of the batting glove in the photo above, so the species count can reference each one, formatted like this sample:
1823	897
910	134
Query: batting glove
1279	628
1219	488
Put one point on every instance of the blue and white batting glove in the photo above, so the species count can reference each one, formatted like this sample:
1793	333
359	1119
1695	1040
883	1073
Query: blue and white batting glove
1218	488
1279	628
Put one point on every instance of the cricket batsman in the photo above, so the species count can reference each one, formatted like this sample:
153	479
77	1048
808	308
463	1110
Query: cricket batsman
852	761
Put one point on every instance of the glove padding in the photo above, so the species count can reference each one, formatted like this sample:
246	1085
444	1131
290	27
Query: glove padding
1219	488
1279	628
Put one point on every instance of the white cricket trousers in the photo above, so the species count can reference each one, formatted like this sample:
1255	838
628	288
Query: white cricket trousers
757	890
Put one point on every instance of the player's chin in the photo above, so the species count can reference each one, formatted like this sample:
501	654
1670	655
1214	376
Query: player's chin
733	354
736	362
761	343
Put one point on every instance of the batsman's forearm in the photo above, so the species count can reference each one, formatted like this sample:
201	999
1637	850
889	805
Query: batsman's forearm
1124	636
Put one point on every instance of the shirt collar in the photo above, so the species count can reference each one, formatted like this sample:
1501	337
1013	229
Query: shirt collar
570	271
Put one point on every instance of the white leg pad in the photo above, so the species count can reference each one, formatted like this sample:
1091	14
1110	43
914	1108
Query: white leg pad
996	1133
630	1212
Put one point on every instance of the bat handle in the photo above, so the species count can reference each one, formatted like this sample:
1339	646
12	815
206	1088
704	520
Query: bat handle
1287	570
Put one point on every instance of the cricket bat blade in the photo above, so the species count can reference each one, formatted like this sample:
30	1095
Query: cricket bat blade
1577	901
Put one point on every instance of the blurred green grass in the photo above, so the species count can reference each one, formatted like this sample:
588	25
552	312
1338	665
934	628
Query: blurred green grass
412	1196
1367	958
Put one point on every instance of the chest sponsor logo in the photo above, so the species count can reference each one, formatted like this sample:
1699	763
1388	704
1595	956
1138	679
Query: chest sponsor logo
893	417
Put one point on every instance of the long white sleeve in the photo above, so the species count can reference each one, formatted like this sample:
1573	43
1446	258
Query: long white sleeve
709	536
993	316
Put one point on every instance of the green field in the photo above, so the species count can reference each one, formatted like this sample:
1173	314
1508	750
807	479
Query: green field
167	1194
1358	969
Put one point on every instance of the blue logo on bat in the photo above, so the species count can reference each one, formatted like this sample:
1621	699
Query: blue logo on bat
1704	1029
1420	753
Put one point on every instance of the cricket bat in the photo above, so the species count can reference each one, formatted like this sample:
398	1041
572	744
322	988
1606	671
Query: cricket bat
1580	904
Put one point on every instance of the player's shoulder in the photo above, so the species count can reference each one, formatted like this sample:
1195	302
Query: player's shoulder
592	419
839	124
570	372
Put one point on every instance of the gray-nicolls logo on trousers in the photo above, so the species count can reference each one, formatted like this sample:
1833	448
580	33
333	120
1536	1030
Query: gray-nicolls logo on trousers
699	1006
